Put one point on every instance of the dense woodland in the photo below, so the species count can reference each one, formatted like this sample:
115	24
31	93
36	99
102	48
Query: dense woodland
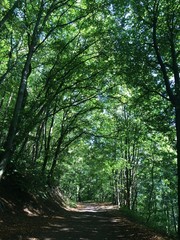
90	101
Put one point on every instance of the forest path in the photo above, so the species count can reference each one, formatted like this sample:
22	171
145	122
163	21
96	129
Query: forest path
86	222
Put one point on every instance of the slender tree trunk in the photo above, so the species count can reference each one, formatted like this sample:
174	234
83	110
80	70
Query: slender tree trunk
2	99
134	190
8	145
174	98
54	162
127	188
122	199
177	109
116	188
174	216
150	199
48	140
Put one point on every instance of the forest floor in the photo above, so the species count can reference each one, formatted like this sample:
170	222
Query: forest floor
51	221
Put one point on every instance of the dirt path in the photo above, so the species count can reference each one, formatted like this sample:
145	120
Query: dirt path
87	222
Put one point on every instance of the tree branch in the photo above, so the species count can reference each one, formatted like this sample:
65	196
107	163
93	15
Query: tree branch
159	57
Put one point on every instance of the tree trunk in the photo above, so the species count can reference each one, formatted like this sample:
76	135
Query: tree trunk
48	140
174	216
54	162
150	197
8	146
128	188
177	109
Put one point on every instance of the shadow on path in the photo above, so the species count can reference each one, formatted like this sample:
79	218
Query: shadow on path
87	222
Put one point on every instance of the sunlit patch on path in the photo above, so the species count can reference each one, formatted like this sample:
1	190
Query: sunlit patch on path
95	207
89	221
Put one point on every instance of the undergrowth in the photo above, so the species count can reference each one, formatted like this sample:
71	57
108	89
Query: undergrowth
139	218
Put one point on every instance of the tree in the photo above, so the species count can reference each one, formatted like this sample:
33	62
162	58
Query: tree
149	32
87	96
57	30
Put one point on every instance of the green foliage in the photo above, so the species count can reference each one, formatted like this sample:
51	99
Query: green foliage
137	217
84	105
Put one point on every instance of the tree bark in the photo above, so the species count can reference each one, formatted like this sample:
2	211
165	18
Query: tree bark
48	141
177	109
8	145
173	92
